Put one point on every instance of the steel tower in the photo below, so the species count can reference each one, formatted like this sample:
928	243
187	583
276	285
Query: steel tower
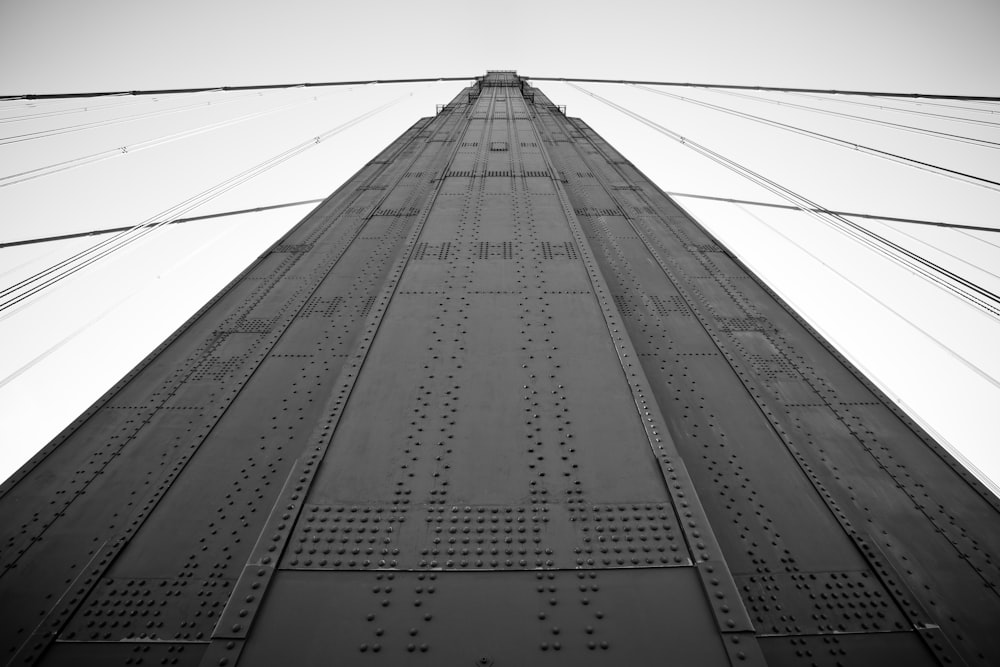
497	401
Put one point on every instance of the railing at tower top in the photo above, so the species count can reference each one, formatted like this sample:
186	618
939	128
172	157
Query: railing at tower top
500	78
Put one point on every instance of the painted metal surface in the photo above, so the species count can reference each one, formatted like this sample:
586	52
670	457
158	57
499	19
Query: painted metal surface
496	401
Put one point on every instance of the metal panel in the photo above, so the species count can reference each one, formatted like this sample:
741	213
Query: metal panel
115	654
856	650
585	617
808	405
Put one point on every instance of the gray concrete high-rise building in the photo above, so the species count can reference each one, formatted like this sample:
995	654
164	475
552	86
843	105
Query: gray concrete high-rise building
497	401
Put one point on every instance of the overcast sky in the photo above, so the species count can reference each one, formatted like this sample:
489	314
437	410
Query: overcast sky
63	350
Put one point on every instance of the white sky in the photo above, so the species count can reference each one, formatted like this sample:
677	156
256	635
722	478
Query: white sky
62	351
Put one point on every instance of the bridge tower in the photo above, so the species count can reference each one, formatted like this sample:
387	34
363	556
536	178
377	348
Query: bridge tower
498	400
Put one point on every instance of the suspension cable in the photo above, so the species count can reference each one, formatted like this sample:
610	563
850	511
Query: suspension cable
900	249
978	238
940	250
31	260
178	221
269	86
954	106
824	91
884	107
870	216
891	250
52	132
151	221
152	224
165	91
74	110
874	121
972	179
104	313
968	364
729	200
47	170
44	279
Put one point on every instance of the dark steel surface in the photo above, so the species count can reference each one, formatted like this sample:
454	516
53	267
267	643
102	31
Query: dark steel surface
496	401
558	617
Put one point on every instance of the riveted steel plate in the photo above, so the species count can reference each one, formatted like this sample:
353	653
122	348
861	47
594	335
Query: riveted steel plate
123	654
497	401
811	452
584	617
455	537
150	609
863	650
819	603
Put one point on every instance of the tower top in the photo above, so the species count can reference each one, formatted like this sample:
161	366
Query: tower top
500	77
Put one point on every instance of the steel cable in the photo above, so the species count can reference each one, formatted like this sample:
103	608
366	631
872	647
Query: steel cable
79	127
873	121
940	250
55	168
960	107
978	238
807	206
869	216
112	230
972	179
104	313
954	353
854	230
131	102
62	270
124	233
151	225
266	86
729	86
883	107
866	237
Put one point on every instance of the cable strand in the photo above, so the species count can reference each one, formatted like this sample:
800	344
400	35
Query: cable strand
839	222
